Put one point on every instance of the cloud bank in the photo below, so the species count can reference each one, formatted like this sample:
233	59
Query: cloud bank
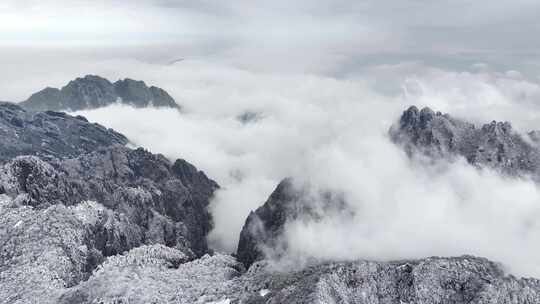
332	132
325	80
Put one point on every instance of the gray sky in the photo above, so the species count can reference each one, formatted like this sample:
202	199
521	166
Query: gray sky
439	26
47	41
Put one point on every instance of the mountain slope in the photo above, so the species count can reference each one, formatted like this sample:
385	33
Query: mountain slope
50	134
67	203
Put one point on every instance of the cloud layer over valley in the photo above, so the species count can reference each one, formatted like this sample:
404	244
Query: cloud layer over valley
309	91
333	133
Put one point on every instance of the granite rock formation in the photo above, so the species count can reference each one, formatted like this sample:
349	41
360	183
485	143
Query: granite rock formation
494	145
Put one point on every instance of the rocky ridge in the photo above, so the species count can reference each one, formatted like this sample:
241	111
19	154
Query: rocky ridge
261	235
494	145
91	92
221	279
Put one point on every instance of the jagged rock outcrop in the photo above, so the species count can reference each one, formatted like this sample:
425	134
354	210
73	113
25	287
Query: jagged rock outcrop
432	280
53	238
50	134
495	145
69	202
157	279
167	201
261	235
220	279
92	92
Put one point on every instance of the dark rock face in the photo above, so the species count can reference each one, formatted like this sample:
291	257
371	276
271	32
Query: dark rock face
138	94
264	227
50	134
494	145
92	92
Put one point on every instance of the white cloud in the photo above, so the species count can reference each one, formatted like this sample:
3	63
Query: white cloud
333	132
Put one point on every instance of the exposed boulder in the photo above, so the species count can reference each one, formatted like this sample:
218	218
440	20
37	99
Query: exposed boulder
92	92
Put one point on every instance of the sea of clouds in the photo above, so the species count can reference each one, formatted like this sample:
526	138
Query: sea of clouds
332	132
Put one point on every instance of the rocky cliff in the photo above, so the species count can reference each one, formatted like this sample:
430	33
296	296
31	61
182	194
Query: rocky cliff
92	92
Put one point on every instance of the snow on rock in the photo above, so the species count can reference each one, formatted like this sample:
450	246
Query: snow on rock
226	301
147	280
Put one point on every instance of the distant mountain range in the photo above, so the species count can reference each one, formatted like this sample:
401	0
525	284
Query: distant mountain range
91	92
493	145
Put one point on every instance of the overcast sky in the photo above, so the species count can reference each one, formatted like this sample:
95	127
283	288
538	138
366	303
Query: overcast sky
372	26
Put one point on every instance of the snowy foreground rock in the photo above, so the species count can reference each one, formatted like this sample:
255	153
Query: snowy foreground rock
219	279
103	223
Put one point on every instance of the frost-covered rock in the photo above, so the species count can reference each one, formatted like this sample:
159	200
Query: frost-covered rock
168	201
92	92
154	279
63	211
44	251
218	279
457	280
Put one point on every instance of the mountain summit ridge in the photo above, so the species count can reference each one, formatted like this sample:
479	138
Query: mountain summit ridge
494	145
92	91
